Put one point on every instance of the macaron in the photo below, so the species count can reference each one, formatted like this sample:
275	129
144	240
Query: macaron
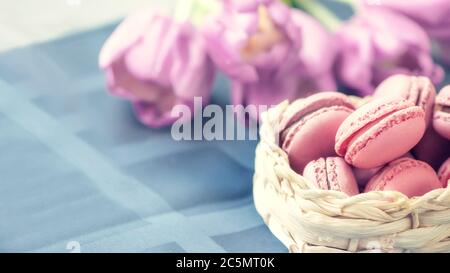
331	173
408	176
417	89
364	175
380	131
441	120
308	127
432	148
444	173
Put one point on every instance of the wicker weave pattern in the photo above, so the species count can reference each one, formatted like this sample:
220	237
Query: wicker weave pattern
310	220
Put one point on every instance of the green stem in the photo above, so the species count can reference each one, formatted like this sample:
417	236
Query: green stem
289	2
320	12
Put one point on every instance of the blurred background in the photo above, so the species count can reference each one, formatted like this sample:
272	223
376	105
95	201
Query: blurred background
79	172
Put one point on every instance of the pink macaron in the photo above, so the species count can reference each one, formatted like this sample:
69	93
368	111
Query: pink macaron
432	148
416	89
364	175
331	173
308	127
441	120
444	173
379	132
408	176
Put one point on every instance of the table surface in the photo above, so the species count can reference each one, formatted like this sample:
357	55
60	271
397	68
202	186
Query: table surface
78	171
77	168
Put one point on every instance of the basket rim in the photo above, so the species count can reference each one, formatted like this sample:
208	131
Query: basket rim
299	214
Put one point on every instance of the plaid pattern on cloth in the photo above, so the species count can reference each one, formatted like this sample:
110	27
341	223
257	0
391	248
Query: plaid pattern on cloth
77	168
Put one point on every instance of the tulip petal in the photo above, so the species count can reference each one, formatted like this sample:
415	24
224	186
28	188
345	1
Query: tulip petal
163	64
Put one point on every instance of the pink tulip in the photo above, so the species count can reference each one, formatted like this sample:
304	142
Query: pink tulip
157	63
378	43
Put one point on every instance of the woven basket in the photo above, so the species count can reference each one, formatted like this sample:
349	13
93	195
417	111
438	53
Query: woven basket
306	219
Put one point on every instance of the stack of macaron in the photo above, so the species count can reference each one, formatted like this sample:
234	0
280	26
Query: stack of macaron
398	141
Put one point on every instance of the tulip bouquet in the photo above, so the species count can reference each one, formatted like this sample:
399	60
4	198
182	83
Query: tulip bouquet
270	50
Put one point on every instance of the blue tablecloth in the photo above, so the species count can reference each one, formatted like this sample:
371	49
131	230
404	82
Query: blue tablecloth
76	165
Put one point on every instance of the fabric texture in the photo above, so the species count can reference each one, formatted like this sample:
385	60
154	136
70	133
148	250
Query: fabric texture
78	169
